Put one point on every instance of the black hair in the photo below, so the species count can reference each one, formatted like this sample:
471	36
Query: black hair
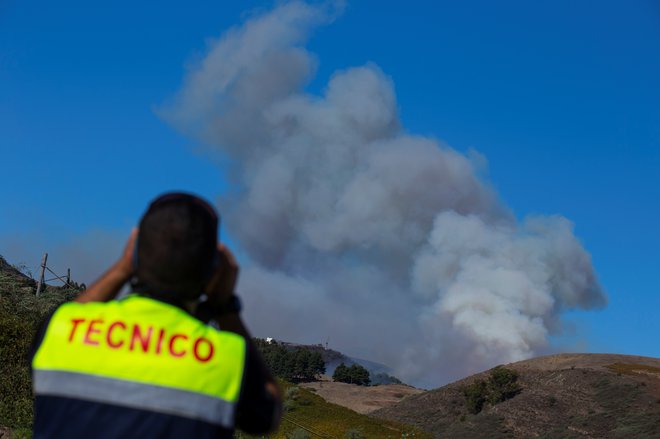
176	247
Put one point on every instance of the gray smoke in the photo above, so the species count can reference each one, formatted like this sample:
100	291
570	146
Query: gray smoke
395	247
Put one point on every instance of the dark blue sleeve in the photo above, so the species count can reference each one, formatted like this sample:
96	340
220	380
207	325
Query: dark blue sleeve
256	408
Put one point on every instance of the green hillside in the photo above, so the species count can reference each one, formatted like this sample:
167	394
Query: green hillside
308	413
20	313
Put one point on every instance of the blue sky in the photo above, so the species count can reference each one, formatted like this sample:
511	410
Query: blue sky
562	98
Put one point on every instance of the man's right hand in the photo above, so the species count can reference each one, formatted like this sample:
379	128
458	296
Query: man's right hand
223	282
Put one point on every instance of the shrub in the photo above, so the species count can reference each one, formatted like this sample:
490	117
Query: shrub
292	393
475	396
354	434
21	433
383	378
298	434
501	385
303	401
288	405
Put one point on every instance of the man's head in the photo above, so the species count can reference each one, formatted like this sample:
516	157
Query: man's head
176	247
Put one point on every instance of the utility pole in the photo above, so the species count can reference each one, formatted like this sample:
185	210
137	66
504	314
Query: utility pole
68	276
42	280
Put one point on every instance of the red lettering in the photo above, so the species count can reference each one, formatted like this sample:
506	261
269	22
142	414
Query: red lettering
172	341
92	330
75	322
159	343
196	349
143	340
108	337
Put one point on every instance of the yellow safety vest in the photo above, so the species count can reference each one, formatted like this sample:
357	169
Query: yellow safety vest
141	353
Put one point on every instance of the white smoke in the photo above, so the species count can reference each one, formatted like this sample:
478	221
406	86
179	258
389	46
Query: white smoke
393	246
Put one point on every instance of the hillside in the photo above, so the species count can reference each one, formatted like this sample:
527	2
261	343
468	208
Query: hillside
20	313
304	410
11	279
562	396
362	399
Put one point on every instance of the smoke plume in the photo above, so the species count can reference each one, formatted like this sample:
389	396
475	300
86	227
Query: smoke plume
394	246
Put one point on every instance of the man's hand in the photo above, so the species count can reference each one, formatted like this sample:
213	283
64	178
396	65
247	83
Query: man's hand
125	265
221	286
108	286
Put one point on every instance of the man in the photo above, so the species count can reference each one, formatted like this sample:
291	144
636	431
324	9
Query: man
148	365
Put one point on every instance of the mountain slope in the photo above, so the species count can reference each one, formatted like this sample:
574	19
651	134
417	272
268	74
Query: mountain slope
362	399
321	419
563	396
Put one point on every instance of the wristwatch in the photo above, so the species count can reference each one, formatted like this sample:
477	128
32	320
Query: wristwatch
231	306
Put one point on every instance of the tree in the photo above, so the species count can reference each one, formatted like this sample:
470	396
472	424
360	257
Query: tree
355	374
341	374
316	365
292	364
359	375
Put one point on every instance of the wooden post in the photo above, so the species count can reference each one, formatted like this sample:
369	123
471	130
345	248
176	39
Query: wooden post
42	280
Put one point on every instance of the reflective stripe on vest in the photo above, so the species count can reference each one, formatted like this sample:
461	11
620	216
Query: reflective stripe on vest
141	353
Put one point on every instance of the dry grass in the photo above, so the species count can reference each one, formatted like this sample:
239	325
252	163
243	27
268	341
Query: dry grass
362	399
569	395
333	421
635	369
